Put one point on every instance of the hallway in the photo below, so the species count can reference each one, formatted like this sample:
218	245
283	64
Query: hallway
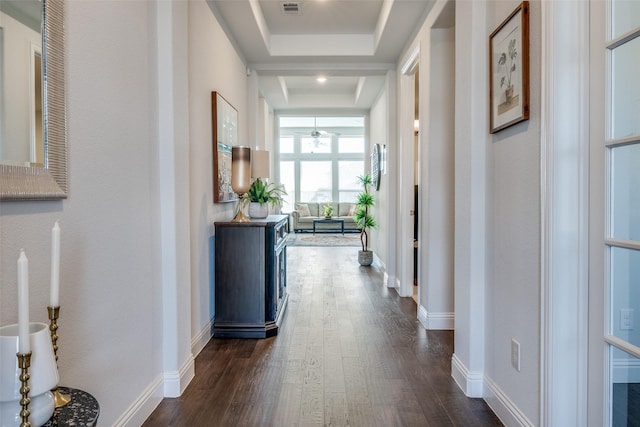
350	352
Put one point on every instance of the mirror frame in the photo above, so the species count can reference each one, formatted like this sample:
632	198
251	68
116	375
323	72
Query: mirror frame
48	182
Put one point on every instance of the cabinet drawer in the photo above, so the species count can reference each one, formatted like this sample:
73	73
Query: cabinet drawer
280	232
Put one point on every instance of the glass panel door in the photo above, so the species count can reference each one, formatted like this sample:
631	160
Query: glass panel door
622	239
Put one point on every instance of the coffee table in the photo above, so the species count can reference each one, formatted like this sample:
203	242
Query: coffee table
329	221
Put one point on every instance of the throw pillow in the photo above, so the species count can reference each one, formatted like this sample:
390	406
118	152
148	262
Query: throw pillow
303	209
352	210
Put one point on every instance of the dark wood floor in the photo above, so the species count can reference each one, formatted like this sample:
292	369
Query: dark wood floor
350	353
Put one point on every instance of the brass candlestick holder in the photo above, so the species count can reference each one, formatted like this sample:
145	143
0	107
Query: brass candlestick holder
59	399
24	361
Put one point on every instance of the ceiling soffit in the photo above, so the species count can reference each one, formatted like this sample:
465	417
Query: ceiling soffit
359	39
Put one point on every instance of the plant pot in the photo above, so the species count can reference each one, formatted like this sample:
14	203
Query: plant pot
327	217
509	94
258	211
365	258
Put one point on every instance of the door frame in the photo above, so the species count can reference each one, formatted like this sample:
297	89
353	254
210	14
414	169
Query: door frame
565	197
404	284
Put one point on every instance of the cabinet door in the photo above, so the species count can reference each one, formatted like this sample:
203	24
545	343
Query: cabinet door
240	275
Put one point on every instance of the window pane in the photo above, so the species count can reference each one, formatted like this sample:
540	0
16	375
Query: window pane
288	178
351	144
296	122
348	196
345	122
625	192
316	145
626	16
626	90
348	185
286	145
625	294
625	388
315	181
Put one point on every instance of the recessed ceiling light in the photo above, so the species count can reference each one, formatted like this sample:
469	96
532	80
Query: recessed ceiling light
321	79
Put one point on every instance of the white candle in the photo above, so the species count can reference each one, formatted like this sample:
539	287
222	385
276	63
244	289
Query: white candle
24	346
55	266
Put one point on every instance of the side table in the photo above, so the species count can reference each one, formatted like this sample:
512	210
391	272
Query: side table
83	410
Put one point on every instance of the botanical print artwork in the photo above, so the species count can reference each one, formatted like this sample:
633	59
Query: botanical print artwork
509	70
506	67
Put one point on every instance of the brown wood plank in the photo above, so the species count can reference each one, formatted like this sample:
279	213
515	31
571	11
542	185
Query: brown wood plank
350	352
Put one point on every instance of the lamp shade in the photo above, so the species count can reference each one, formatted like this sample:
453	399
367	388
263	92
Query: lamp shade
260	164
240	169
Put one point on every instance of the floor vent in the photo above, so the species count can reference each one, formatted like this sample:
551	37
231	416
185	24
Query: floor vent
291	8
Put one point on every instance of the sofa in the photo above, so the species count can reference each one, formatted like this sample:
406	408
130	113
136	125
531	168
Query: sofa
305	212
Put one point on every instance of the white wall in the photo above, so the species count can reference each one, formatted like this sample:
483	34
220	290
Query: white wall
497	215
497	270
471	189
110	298
378	135
213	66
436	179
513	293
432	52
136	272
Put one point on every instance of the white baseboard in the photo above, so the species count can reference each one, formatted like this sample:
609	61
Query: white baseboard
471	383
176	381
143	406
390	281
171	384
423	317
503	407
626	370
202	338
436	321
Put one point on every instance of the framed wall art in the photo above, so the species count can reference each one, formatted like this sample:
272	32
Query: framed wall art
225	135
509	70
375	166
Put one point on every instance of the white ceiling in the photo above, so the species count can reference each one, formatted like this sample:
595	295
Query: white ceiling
353	43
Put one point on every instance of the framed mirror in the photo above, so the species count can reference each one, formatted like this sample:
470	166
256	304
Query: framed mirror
42	175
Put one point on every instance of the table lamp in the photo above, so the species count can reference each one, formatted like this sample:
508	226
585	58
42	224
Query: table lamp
260	164
240	176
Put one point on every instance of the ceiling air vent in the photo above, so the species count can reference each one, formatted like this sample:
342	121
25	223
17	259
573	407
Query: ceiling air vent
291	8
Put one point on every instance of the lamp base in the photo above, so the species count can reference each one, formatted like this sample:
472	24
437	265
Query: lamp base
240	217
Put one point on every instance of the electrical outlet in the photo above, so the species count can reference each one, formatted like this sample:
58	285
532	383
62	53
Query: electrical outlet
626	319
515	354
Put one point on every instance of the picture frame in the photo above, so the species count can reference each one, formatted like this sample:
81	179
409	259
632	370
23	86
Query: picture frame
225	136
509	70
375	166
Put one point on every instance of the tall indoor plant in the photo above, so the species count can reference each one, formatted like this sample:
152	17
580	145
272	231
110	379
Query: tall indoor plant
364	219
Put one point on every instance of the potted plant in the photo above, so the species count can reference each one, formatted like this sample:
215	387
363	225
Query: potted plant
364	219
261	195
508	69
328	210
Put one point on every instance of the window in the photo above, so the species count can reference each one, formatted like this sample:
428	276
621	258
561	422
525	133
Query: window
321	158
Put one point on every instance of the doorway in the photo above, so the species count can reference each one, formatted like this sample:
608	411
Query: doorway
416	192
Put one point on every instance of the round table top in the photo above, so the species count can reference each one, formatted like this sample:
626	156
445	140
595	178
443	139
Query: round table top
83	410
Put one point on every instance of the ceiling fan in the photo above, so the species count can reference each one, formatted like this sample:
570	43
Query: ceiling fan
315	133
319	137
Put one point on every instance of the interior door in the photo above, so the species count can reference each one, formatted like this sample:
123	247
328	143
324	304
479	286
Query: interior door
619	150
